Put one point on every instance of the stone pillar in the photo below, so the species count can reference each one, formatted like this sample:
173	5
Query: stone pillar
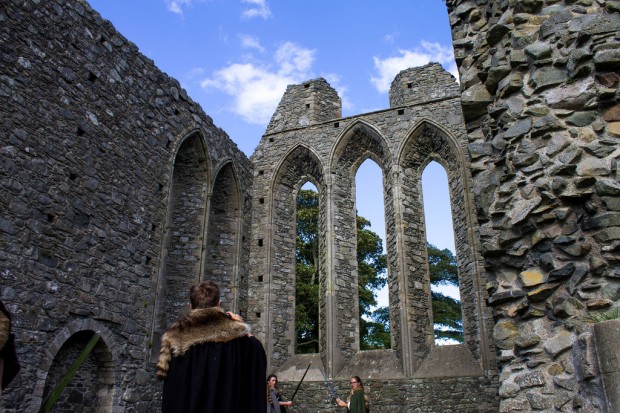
607	337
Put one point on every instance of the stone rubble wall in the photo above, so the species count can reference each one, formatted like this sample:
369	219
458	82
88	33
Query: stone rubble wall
540	94
89	131
417	395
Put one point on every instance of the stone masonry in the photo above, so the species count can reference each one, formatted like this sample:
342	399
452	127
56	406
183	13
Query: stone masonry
118	192
110	175
540	82
307	140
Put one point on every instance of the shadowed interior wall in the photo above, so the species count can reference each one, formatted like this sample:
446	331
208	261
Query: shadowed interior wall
91	388
223	237
184	230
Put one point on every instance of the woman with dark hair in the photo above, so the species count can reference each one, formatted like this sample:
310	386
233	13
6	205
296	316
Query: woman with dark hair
275	402
358	401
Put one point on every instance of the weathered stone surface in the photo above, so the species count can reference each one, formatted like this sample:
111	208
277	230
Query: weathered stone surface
538	50
522	208
614	128
533	379
509	390
582	118
532	278
607	234
602	220
607	186
505	296
598	303
475	101
592	167
514	405
547	76
504	334
541	292
539	401
564	307
559	343
612	114
527	339
607	59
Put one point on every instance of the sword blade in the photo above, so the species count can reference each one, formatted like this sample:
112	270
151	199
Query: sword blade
299	384
328	385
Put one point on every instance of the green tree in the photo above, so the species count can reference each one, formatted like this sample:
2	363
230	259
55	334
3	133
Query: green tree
371	270
372	263
307	273
447	318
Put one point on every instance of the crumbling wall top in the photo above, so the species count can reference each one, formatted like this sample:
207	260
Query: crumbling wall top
422	84
304	104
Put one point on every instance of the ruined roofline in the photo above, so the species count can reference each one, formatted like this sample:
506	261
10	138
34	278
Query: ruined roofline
315	101
361	115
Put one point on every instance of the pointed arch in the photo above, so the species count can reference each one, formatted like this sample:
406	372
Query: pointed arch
222	246
182	242
426	142
357	143
371	144
301	164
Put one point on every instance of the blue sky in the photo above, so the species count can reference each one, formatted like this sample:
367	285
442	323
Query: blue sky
236	57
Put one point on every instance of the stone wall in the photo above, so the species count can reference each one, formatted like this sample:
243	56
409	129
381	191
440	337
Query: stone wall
417	395
99	153
118	193
327	151
540	86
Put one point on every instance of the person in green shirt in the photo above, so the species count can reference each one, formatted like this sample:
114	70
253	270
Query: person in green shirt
357	401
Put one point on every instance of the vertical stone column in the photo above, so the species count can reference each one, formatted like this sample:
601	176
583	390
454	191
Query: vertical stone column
607	337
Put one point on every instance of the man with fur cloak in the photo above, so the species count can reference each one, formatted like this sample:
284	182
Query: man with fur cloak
210	362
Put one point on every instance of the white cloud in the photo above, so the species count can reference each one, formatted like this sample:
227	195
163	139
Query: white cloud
258	8
388	68
175	6
389	38
250	42
256	88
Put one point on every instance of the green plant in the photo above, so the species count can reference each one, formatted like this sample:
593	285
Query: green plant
57	391
599	316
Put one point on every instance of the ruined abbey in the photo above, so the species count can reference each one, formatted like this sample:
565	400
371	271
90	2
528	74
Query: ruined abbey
118	192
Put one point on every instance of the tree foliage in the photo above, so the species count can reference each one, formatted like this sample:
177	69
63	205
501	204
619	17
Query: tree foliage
372	263
371	270
447	318
307	273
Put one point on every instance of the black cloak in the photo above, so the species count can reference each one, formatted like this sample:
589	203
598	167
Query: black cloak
211	364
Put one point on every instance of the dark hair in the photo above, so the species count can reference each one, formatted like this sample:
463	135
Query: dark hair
272	375
204	295
357	379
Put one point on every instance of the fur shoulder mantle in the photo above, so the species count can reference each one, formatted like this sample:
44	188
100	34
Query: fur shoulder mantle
202	325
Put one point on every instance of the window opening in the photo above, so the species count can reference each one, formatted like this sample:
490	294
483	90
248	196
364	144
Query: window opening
443	268
374	317
307	271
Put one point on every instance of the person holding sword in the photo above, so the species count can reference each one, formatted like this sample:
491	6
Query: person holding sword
358	401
